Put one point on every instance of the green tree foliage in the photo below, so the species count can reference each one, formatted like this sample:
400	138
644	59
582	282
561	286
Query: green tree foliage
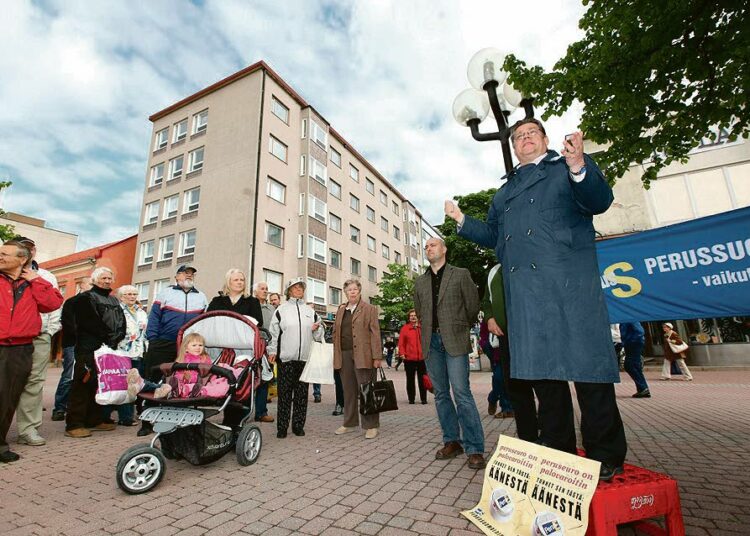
653	78
6	231
464	253
396	294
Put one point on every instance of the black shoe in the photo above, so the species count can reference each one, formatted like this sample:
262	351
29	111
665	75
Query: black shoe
424	402
316	399
58	415
411	401
643	394
298	432
127	423
338	410
8	456
281	435
145	429
607	472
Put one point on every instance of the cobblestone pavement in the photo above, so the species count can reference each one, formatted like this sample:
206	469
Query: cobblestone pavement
335	485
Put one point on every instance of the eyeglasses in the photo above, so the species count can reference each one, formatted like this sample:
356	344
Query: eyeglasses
518	136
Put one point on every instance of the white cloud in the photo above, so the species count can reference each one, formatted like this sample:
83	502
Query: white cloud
85	76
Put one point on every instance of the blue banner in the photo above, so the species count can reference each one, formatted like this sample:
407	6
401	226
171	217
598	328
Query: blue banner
695	269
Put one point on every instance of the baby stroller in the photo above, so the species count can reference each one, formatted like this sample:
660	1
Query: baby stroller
181	424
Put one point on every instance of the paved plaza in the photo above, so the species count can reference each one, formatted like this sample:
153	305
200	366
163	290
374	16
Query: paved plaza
697	432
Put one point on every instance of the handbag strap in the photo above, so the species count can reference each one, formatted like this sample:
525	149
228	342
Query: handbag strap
381	373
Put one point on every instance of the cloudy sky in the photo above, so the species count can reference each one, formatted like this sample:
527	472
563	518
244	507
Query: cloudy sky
80	79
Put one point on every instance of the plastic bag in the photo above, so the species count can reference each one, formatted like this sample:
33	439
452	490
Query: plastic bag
112	368
319	367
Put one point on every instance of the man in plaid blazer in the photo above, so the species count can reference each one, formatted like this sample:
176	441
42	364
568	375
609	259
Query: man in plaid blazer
447	304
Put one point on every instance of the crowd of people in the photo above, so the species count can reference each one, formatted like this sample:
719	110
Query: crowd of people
540	227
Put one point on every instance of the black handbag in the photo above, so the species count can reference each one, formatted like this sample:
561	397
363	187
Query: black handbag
377	396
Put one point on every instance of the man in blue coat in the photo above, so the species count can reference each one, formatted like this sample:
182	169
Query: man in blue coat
540	226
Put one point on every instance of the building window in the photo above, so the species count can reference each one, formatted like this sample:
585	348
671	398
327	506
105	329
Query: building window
302	165
166	248
353	173
370	186
192	200
277	148
160	285
302	204
356	267
370	214
175	167
151	215
195	161
200	122
316	291
335	188
397	257
318	209
143	289
180	131
157	175
274	280
395	208
276	190
274	234
372	274
371	244
335	157
318	134
161	139
318	171
354	234
396	233
334	222
146	255
300	246
279	110
170	207
335	296
354	202
384	224
187	243
335	258
316	248
386	252
383	198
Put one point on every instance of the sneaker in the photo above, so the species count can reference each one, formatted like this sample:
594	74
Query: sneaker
78	433
31	438
8	456
371	433
491	408
345	430
643	394
104	427
338	410
162	391
316	399
135	383
58	415
607	472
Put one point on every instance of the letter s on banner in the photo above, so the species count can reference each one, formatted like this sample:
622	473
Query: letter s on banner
633	285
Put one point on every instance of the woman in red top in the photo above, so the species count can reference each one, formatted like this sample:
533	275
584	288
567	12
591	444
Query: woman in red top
410	348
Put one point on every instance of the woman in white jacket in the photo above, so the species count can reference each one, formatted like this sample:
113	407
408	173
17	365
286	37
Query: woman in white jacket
293	327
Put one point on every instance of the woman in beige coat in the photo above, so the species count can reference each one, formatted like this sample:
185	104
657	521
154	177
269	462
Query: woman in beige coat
670	355
357	352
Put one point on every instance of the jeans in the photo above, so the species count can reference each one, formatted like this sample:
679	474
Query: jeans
448	373
66	379
316	390
261	400
634	364
498	393
389	358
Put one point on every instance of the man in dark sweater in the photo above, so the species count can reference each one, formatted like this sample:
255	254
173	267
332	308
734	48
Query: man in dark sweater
99	320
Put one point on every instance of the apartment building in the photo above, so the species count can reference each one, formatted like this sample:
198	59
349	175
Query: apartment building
246	174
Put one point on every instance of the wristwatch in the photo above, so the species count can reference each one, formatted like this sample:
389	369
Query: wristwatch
579	172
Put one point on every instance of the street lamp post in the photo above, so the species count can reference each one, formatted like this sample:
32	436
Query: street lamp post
489	91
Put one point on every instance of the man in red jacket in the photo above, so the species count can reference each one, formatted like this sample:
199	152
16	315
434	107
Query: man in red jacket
23	295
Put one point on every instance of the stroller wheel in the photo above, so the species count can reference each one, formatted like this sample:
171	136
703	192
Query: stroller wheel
249	443
140	469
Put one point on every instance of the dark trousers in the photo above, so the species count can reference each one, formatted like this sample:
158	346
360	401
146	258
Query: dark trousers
15	367
521	395
418	369
159	351
634	365
83	411
339	388
66	379
601	426
292	396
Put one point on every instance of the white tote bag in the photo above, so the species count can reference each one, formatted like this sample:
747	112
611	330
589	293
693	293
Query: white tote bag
319	367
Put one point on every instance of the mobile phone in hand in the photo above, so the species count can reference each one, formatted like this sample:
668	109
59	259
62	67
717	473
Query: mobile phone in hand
568	143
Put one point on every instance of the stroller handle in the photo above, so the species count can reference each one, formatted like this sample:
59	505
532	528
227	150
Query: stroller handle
203	368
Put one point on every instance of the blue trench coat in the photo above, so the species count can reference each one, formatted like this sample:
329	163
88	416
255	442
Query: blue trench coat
540	225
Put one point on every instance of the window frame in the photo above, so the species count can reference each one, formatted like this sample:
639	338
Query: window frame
355	262
194	165
385	251
187	203
331	218
167	201
199	126
315	128
266	236
270	181
371	241
141	258
352	234
331	300
154	179
313	244
161	138
275	101
369	211
268	277
354	203
315	166
148	219
370	186
183	248
334	254
271	140
312	285
353	172
335	161
176	134
384	225
175	173
337	188
372	274
383	198
162	250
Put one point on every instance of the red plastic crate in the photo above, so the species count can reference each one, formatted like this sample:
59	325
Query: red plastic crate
632	497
